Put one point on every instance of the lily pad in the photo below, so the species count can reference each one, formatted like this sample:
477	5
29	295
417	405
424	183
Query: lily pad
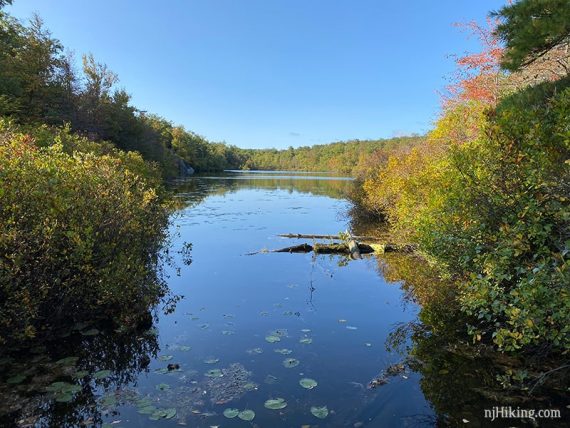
320	412
147	410
231	413
290	363
214	373
109	400
211	360
275	404
250	386
255	351
272	338
283	351
80	374
162	386
64	397
308	383
306	341
246	415
68	361
165	357
228	332
101	374
169	413
14	380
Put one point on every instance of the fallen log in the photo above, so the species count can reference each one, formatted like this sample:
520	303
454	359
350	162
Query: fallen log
302	236
303	248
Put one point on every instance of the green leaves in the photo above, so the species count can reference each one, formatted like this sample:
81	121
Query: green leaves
308	383
275	404
320	412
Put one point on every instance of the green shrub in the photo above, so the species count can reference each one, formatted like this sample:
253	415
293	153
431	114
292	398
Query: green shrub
502	221
80	234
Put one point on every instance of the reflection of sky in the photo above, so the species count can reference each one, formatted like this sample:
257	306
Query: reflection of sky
222	280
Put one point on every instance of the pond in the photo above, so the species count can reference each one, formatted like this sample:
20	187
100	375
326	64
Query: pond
264	340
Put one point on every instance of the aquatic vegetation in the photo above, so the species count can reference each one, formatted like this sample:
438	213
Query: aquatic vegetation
231	413
290	363
306	340
308	383
214	373
246	415
275	404
211	360
165	357
255	351
283	351
101	374
162	386
351	327
270	379
320	412
273	338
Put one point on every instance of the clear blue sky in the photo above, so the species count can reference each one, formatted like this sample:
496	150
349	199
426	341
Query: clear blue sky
274	73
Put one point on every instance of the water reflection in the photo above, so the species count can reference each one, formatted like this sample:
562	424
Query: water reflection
252	327
64	381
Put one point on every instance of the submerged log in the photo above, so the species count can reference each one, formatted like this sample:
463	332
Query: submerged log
303	248
331	249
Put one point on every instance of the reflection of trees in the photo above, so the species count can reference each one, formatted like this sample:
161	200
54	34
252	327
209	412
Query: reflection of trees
193	191
124	354
458	378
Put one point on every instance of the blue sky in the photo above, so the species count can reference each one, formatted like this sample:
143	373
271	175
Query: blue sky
274	73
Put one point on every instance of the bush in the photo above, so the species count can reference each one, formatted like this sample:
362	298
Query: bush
79	234
502	221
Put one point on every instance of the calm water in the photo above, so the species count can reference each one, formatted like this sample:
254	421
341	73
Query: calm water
250	327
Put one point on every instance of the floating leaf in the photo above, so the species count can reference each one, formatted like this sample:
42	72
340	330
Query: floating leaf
255	351
275	404
272	338
109	400
214	373
306	341
80	374
320	412
308	383
162	386
147	410
283	351
246	415
211	360
14	380
64	397
270	379
288	313
169	413
250	386
68	361
290	362
204	326
228	332
231	413
165	357
101	374
281	332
